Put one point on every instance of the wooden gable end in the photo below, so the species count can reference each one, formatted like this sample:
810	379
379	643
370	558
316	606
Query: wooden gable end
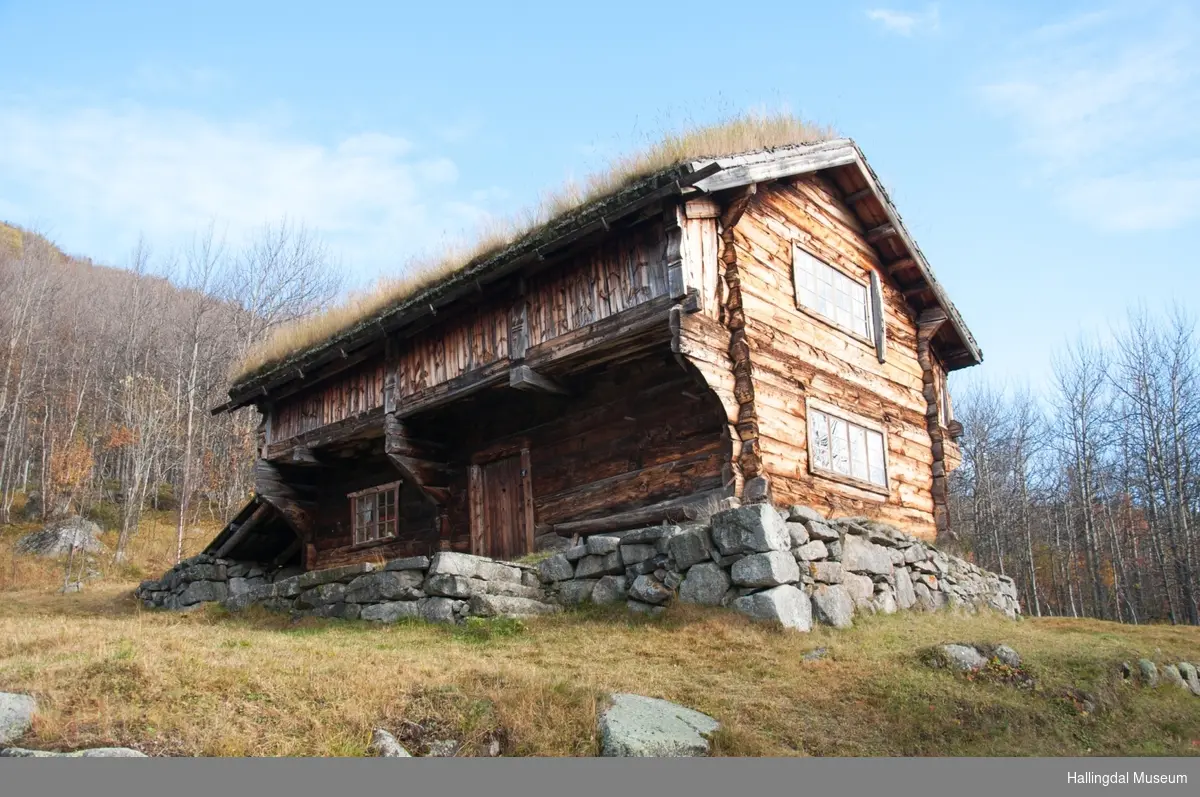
799	355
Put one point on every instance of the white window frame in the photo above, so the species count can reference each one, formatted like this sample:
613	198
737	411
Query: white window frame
372	502
808	296
851	420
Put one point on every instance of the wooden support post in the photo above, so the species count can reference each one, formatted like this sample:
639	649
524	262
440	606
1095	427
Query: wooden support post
677	276
236	538
518	329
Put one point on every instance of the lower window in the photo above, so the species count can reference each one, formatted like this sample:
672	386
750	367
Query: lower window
374	513
841	447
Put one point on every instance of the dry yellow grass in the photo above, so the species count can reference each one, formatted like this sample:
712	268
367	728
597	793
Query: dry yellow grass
107	672
150	552
745	133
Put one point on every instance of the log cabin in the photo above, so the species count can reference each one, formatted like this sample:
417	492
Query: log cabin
758	325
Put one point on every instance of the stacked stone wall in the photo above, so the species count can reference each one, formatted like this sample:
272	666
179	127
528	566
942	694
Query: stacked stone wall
789	565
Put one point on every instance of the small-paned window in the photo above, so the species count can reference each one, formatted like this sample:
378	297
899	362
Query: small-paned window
828	292
842	447
840	299
375	513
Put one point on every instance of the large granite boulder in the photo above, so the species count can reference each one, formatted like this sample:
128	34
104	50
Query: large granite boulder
768	569
385	745
95	752
58	537
646	727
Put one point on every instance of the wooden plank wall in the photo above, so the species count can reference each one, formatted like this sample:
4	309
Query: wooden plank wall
451	349
620	274
345	395
795	355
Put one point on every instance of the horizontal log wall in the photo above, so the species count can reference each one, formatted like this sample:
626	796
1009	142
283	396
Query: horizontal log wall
346	395
334	537
796	355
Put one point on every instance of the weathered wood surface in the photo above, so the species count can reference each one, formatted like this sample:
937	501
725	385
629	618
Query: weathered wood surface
333	537
795	354
627	436
346	395
674	510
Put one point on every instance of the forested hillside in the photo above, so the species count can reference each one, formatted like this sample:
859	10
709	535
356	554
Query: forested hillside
1089	495
107	374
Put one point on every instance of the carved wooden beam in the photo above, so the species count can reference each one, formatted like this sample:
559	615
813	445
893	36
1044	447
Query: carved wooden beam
858	196
303	455
522	377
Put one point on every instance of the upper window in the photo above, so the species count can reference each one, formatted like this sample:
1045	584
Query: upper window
374	513
828	292
841	447
945	413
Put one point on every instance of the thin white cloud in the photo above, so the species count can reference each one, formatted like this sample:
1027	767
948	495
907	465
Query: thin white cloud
1106	105
108	175
907	23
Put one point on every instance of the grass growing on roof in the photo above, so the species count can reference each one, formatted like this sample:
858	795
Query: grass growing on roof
744	133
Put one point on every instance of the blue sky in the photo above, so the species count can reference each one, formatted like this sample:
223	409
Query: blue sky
1044	155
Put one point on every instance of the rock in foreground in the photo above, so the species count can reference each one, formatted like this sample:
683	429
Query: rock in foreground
646	727
95	752
384	745
16	715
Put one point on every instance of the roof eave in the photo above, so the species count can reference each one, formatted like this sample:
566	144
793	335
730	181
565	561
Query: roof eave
704	175
772	165
260	386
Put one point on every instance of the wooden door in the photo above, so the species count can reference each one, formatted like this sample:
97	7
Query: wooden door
501	508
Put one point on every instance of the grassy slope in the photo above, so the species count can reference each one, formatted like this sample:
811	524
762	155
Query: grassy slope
106	672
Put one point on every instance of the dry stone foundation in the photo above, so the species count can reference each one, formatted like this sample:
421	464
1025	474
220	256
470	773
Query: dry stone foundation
789	565
447	587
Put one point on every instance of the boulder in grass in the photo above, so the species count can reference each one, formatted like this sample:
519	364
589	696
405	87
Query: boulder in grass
385	745
1171	675
95	752
16	715
958	657
647	727
59	537
1149	672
